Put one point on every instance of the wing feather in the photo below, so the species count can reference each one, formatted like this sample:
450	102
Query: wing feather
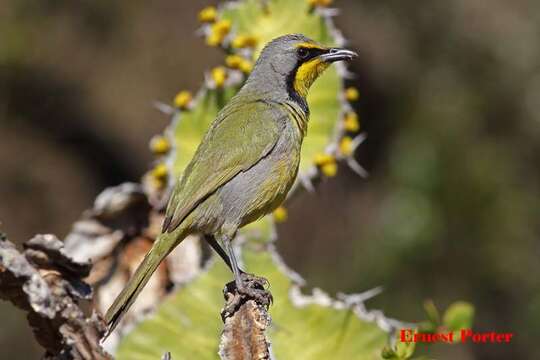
241	135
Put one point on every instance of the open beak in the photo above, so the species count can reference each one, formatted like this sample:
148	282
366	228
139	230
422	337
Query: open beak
336	54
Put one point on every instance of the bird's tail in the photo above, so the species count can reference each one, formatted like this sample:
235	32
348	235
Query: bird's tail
164	244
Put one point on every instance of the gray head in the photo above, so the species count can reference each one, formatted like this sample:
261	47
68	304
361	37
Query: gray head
289	64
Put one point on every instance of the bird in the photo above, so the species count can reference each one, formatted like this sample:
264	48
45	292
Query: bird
245	164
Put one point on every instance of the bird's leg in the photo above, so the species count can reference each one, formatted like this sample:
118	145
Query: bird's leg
234	265
246	277
211	240
247	286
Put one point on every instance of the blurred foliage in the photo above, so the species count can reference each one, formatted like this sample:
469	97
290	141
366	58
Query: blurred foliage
458	316
400	351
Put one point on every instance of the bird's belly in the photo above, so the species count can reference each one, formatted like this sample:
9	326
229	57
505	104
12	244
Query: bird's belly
259	190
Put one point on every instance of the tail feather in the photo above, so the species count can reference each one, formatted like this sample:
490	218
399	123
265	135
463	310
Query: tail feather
161	248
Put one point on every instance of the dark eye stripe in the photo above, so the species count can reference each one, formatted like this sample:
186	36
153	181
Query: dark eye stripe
311	53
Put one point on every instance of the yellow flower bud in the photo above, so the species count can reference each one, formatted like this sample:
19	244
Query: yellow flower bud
157	183
213	40
322	159
182	99
329	170
222	27
352	94
246	66
160	145
219	75
160	172
351	123
218	31
244	41
234	61
238	62
327	164
208	14
280	214
346	146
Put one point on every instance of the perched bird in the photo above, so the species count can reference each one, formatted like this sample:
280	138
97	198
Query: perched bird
245	164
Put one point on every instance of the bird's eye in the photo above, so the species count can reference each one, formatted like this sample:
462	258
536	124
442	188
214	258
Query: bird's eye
303	53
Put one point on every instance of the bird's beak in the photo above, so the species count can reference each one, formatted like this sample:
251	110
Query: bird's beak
336	54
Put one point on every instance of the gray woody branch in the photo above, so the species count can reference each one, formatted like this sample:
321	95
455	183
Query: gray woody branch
47	284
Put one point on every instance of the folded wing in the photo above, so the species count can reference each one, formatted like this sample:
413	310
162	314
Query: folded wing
242	135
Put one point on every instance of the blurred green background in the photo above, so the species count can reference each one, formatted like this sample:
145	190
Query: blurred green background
450	99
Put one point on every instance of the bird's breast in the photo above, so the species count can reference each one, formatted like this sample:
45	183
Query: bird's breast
259	190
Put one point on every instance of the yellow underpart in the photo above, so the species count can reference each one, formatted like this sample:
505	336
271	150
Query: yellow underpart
306	75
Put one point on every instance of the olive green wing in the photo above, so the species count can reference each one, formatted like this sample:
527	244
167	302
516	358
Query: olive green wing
242	135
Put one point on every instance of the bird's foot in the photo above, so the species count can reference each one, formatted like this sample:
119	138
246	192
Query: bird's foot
252	288
252	281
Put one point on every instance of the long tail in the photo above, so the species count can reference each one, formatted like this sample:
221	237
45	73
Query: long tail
161	248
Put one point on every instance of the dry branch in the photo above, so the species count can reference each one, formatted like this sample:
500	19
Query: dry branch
47	283
243	336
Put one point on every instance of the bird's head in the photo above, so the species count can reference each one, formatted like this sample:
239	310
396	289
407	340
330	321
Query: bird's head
295	62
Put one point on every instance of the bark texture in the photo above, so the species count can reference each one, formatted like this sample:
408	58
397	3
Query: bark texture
47	284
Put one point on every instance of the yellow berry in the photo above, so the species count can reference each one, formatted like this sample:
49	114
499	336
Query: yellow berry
346	146
160	171
160	145
329	170
182	99
351	123
219	75
208	14
280	214
244	41
352	94
218	31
